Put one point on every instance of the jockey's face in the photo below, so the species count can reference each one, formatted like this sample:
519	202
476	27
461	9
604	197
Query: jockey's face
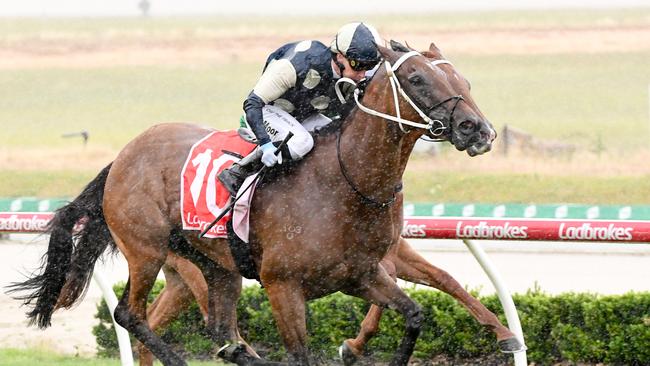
348	72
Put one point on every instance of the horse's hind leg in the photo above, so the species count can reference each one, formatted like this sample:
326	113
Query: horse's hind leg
145	256
220	286
411	266
224	289
175	297
352	349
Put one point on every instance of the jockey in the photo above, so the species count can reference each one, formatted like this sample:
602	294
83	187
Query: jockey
296	89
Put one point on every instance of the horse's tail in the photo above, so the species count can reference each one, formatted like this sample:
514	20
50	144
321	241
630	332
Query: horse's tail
68	265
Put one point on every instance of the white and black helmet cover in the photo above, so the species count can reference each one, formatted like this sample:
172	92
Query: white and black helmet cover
357	41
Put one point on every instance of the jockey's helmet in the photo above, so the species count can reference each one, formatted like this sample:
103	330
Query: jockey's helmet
358	43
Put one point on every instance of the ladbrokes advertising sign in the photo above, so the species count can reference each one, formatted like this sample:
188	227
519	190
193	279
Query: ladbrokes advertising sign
24	222
515	229
447	228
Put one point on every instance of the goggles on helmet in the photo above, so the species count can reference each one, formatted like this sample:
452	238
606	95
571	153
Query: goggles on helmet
358	65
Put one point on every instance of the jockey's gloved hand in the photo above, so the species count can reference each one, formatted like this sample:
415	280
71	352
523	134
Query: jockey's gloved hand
268	155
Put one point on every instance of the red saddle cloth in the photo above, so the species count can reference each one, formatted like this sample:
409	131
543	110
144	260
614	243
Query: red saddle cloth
203	197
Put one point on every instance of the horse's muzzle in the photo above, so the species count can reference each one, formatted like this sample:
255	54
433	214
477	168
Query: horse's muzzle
478	149
482	141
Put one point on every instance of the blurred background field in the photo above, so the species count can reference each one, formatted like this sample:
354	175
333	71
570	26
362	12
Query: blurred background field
576	78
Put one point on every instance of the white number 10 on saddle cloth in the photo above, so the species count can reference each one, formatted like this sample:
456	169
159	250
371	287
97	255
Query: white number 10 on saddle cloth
202	195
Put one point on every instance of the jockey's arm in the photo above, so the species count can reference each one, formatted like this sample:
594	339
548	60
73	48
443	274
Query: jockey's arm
279	76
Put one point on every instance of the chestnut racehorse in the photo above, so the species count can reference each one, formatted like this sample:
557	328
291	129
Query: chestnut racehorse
184	281
340	196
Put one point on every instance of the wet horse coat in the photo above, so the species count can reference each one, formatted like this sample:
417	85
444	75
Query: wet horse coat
401	261
342	238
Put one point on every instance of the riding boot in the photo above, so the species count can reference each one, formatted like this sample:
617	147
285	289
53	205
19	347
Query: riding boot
233	177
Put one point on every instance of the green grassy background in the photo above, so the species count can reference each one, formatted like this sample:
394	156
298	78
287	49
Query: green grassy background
597	101
525	188
116	104
418	187
576	98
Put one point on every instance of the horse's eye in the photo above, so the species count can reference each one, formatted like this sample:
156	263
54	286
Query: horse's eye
416	79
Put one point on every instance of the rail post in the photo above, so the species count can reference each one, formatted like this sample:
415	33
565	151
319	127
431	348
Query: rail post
504	297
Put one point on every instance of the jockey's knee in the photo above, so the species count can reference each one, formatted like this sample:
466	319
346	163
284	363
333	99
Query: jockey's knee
300	144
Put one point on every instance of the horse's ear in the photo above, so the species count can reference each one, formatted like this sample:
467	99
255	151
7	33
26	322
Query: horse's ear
434	52
387	53
396	46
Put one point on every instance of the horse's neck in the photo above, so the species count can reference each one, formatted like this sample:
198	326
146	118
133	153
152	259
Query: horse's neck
372	151
408	143
383	130
372	154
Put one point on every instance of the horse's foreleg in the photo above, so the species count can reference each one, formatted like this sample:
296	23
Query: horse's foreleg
224	289
352	349
382	290
190	277
288	306
412	267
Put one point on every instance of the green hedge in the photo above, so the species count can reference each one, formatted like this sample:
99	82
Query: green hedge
574	327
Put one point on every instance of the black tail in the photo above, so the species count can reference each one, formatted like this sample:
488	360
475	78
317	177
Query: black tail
68	264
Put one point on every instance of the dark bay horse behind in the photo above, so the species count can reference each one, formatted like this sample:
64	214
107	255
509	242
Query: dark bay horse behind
346	222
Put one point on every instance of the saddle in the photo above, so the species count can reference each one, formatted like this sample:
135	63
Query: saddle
203	198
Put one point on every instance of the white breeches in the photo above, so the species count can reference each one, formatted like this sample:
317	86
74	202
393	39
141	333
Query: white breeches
278	123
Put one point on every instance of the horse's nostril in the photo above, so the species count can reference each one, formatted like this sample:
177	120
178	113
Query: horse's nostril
467	126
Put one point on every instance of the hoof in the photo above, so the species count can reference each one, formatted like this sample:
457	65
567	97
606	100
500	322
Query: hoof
229	352
232	352
238	354
511	345
347	356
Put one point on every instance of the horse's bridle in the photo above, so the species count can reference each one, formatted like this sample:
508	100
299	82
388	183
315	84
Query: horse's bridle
435	126
430	123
